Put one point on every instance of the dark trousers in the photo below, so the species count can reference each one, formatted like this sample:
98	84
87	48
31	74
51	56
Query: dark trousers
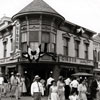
37	96
67	91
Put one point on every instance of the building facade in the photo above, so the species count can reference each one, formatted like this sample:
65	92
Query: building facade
66	47
96	50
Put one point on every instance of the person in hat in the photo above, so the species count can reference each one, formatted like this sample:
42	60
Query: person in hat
36	88
19	86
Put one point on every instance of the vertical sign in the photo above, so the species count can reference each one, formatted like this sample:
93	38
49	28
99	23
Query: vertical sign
17	35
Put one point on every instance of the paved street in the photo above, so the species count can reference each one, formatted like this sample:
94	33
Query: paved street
22	98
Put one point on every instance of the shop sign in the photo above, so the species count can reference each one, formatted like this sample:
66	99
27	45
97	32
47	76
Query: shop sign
7	60
74	60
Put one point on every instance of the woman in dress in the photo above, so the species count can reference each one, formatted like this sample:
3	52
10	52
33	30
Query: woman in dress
82	90
53	91
61	88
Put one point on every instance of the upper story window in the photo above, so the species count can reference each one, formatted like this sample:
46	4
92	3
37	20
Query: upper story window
86	51
66	38
86	42
45	42
23	37
77	42
77	48
53	42
5	49
65	47
34	36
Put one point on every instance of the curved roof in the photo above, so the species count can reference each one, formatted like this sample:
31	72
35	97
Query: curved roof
37	7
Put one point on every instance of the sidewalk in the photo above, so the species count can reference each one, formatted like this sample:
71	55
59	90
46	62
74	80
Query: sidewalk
22	98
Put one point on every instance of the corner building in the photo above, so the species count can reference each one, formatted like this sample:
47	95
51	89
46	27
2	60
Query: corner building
37	24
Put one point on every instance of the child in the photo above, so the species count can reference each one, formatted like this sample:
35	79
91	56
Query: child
73	96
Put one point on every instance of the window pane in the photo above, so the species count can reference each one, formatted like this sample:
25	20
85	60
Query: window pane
46	37
53	47
24	47
53	38
45	47
34	36
24	37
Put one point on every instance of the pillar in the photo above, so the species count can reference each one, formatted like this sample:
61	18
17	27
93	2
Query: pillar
20	69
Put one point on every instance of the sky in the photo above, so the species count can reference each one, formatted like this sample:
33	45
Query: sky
85	13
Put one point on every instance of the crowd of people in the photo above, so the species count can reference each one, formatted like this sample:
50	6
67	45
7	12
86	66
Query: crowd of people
70	88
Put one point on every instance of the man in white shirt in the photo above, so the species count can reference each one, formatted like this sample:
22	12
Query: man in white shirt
37	88
74	85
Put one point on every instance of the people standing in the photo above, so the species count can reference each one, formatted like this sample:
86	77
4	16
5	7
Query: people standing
1	84
82	90
36	88
74	96
67	87
23	90
74	85
19	86
14	85
49	80
53	94
93	88
61	88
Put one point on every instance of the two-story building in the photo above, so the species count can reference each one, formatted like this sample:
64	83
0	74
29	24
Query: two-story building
67	48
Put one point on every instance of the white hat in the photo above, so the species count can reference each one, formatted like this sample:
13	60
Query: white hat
18	74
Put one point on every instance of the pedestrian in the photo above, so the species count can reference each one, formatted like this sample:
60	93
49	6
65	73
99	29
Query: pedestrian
61	88
73	96
19	86
1	84
67	87
48	84
74	85
93	88
36	88
82	90
23	90
53	94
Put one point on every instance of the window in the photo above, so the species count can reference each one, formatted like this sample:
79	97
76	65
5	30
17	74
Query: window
5	49
77	48
65	47
24	46
53	42
34	36
45	37
11	44
45	45
86	51
24	37
99	56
